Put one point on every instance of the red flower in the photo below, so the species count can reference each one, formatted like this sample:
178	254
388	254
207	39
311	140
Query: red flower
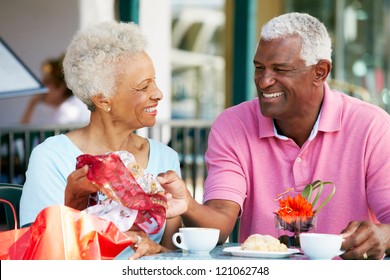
297	214
295	208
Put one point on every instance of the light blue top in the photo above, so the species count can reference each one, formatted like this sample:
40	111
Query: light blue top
52	161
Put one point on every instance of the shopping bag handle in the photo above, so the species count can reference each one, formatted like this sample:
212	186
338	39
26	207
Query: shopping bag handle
13	211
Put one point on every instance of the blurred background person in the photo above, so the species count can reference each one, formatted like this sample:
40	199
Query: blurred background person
58	105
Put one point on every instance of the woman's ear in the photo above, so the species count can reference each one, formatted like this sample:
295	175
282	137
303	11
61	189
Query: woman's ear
101	102
322	70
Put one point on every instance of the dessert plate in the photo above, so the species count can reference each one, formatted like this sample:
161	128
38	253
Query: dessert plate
237	251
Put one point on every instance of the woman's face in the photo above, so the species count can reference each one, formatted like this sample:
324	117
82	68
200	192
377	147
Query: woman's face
135	102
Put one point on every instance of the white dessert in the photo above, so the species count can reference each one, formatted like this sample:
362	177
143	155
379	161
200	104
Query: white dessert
259	242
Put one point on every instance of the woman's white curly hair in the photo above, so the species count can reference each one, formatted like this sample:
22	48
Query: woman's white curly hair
92	57
316	43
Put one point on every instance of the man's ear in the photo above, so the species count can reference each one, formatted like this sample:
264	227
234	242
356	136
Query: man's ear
101	102
322	70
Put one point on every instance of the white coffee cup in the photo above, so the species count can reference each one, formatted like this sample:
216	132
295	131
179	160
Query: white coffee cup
321	246
196	240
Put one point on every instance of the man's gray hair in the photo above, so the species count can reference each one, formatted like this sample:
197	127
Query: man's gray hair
92	58
316	43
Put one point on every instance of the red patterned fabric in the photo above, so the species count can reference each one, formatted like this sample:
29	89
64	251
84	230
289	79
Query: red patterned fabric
121	186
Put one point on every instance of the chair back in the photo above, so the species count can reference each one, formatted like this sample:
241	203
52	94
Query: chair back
11	193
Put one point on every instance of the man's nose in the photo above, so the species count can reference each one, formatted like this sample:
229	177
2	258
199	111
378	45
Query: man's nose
264	79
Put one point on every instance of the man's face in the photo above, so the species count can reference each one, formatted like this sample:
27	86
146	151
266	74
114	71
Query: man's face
284	83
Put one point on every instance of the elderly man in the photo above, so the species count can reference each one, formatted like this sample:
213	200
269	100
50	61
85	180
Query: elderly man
295	132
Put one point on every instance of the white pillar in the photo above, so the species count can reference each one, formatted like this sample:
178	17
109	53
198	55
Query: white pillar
155	21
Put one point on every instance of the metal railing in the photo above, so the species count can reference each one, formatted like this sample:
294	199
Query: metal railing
187	137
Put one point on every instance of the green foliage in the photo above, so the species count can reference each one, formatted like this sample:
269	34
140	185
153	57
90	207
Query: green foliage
316	189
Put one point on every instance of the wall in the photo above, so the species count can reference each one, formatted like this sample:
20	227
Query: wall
266	10
39	29
34	30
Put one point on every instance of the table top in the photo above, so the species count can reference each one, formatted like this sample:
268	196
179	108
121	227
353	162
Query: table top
216	254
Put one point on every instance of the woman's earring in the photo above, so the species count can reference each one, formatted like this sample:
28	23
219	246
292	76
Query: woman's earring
108	109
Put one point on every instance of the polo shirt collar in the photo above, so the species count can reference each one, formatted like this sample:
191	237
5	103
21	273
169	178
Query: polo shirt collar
329	118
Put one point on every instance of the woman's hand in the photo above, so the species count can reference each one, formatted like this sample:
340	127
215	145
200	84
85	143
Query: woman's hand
28	113
79	188
365	240
143	245
178	196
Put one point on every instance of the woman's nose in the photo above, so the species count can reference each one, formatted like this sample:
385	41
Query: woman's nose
157	94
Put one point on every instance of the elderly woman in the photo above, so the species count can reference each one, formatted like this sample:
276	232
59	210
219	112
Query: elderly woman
106	67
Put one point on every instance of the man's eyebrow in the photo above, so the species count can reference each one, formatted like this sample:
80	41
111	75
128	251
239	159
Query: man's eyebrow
287	65
282	65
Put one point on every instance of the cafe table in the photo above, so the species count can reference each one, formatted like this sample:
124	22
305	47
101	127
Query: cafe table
216	254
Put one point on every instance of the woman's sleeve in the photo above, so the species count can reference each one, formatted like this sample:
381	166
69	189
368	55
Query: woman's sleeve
45	183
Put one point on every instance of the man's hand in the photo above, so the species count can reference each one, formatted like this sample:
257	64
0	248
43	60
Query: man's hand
365	240
178	196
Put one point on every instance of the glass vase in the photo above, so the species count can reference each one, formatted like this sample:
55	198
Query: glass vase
290	227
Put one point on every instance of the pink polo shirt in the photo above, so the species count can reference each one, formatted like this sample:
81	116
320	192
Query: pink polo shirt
248	164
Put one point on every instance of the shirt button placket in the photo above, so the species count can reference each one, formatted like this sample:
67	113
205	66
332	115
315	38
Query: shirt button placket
298	171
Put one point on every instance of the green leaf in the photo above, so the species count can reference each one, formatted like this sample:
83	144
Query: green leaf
319	188
307	191
328	198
